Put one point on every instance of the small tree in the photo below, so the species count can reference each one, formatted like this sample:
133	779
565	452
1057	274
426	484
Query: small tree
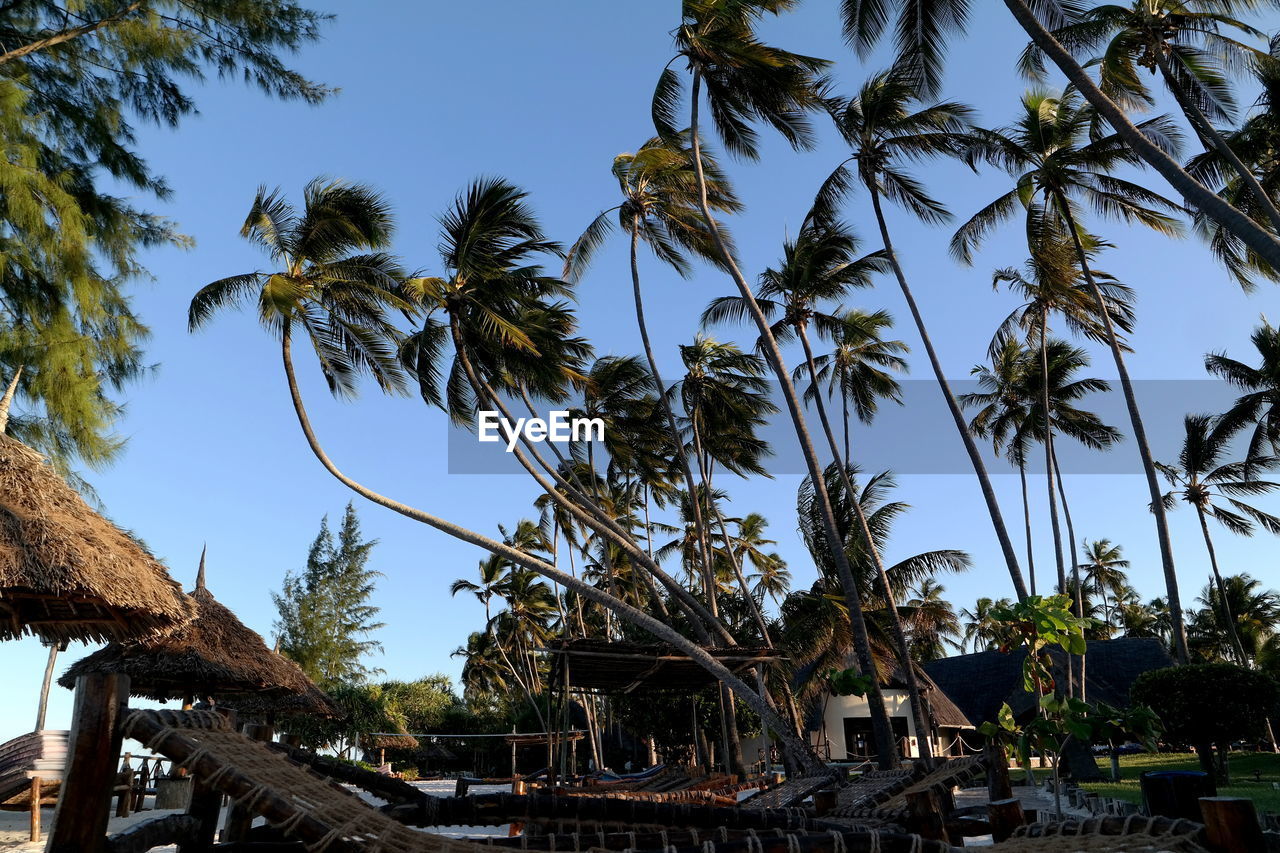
1208	705
325	618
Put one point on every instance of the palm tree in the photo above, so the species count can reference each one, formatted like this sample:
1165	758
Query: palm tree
772	578
1255	619
981	630
860	367
820	266
1183	42
747	80
1103	567
922	31
341	299
1214	488
660	207
932	622
883	125
1056	161
1259	405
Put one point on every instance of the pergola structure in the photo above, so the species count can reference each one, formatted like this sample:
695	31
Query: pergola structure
600	666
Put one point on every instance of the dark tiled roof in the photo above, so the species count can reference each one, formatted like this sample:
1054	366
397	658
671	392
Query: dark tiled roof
981	682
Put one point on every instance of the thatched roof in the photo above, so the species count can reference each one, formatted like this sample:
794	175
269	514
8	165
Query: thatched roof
66	573
946	714
981	682
311	702
388	741
213	655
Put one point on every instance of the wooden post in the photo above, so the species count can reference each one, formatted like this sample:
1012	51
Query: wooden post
1230	824
206	803
998	785
240	819
924	815
124	785
35	808
1004	816
91	765
143	782
824	801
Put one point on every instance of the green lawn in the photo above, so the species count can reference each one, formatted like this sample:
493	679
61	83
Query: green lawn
1243	767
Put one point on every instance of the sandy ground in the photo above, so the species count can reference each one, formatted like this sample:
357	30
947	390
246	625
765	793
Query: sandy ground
15	826
1031	798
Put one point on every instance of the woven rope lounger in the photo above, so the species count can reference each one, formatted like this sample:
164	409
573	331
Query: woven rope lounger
1132	834
942	779
325	817
790	793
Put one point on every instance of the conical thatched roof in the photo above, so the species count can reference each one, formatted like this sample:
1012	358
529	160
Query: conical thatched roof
213	655
66	573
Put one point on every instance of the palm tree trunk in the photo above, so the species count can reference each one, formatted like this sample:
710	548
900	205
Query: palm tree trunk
1226	614
1140	439
6	402
592	516
971	447
704	541
885	746
1213	140
1075	567
1192	191
43	708
625	611
914	693
1049	466
1026	520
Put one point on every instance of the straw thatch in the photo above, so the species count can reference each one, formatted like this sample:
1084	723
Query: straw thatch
387	741
66	573
213	655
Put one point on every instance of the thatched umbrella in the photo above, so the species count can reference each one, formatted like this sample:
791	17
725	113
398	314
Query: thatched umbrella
213	655
66	573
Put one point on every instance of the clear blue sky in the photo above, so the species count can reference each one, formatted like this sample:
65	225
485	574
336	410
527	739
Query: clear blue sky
435	94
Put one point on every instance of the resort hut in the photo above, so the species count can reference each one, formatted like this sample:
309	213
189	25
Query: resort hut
67	573
215	655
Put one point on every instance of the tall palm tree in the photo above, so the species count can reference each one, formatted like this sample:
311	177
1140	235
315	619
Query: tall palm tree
981	630
337	291
932	622
659	188
1103	567
1188	46
819	267
860	367
747	81
1056	161
1259	405
1201	479
884	124
1254	624
923	29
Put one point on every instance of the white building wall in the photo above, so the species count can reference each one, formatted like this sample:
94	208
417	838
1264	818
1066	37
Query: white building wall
896	704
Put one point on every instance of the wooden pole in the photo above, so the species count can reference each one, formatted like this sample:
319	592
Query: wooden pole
35	808
1004	816
998	785
1231	824
124	784
924	815
91	766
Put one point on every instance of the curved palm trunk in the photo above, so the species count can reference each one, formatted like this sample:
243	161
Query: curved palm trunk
592	516
957	415
1192	191
914	693
882	731
1026	521
1227	615
704	543
1213	140
625	611
1140	439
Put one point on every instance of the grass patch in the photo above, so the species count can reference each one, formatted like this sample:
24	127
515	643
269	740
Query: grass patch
1243	781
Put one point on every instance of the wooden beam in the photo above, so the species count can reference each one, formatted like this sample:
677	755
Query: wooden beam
91	765
1004	816
35	808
